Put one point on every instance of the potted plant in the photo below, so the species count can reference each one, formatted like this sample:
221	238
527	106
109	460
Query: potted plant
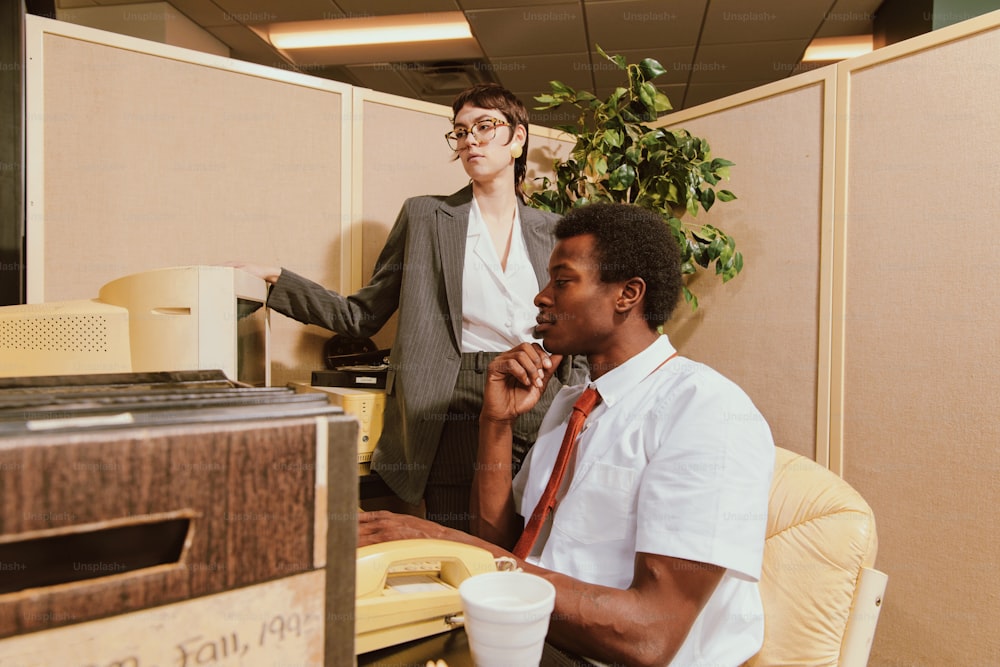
618	158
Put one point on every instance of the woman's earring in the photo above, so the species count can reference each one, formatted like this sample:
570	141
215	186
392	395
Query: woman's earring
516	150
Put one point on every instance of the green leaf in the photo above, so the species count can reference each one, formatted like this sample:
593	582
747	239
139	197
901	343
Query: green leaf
622	178
726	195
651	69
690	298
558	87
618	60
612	138
692	203
707	197
662	103
598	164
547	102
647	93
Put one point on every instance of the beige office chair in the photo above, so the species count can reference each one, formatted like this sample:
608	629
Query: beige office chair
821	596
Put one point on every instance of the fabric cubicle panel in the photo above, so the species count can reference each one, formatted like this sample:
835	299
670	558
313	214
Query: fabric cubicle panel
143	155
920	353
764	329
403	154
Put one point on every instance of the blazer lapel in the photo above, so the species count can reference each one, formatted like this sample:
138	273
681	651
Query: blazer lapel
451	226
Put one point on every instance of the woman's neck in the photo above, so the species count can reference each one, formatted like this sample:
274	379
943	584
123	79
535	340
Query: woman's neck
498	206
495	193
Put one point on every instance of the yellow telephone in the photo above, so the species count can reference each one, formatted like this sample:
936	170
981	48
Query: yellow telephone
408	589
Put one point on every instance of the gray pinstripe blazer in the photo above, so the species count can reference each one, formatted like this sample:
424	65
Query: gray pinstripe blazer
419	272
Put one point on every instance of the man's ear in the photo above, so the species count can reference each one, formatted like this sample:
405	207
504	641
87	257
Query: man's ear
631	294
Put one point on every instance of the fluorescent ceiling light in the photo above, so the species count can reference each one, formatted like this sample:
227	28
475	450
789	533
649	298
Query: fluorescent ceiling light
403	28
837	48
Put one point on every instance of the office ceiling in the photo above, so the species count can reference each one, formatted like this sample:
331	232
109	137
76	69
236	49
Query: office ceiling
710	48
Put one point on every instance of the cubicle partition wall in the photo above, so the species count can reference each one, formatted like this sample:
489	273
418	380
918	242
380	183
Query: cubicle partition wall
144	156
867	312
402	153
917	307
766	329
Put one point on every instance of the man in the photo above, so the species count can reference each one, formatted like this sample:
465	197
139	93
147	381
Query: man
656	538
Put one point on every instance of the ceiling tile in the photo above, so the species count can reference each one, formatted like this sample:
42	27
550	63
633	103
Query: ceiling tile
849	17
246	45
499	4
760	61
382	78
359	8
644	24
739	21
535	72
529	30
72	4
444	79
269	11
204	12
367	54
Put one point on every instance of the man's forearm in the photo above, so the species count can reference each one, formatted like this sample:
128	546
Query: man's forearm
492	502
630	626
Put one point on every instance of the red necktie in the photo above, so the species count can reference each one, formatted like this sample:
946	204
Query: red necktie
581	409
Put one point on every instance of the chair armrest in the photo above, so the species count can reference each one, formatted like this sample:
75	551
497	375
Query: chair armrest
860	632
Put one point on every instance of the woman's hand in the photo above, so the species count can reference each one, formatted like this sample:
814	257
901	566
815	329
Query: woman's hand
268	274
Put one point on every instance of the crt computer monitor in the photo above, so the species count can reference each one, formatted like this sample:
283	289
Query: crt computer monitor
170	319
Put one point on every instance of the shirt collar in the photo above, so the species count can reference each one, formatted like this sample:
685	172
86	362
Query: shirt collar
614	384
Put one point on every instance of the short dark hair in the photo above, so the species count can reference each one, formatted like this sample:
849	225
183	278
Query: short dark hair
631	241
495	96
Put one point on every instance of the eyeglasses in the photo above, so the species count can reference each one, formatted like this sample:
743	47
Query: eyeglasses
483	130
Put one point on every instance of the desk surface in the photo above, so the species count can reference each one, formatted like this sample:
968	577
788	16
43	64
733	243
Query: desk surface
453	648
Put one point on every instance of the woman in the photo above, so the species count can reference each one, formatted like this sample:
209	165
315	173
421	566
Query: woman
462	271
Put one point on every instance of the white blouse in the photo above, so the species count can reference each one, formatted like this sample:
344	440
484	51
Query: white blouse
498	309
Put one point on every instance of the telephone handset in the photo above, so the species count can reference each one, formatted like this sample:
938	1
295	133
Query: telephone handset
408	589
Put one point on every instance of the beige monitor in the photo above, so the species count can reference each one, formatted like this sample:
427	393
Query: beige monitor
180	318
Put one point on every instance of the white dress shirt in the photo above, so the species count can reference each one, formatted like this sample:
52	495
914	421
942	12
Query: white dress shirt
677	462
498	309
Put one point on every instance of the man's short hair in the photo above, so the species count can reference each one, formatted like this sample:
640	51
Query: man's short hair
631	241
